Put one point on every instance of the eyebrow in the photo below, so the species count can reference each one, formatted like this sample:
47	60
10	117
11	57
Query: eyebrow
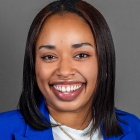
81	45
52	47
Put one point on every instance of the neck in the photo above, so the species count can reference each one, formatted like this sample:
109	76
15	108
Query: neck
76	120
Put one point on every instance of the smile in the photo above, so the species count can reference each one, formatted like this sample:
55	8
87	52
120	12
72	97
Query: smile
66	89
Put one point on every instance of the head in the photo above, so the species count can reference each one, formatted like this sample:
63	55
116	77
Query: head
66	64
103	74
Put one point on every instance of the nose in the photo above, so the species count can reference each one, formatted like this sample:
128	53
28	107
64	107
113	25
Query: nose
65	68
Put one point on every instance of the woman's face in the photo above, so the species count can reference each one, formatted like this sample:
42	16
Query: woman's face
66	63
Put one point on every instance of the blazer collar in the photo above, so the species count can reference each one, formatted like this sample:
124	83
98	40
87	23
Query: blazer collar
128	133
32	134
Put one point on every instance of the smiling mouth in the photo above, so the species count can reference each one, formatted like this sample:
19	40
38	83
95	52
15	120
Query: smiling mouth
67	92
66	89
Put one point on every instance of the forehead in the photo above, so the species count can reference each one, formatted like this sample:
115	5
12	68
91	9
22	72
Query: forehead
65	20
64	17
66	27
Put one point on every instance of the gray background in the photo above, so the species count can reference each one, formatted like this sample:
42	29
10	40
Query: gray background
123	17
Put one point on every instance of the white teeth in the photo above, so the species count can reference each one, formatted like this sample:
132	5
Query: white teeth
63	89
67	88
75	87
59	88
71	88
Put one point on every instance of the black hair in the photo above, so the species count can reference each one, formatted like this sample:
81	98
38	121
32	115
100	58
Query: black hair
103	102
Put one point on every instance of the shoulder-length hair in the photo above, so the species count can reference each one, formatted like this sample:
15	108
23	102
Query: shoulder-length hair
103	102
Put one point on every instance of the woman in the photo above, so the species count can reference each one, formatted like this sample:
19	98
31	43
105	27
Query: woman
68	80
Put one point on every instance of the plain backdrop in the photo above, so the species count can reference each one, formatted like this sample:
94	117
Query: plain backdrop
123	17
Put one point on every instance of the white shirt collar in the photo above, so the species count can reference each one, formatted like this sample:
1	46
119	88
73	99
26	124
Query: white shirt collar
58	134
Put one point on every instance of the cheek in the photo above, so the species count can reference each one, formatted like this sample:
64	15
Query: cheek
41	74
42	70
42	78
90	71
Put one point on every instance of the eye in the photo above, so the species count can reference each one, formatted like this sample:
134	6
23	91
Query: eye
81	56
49	57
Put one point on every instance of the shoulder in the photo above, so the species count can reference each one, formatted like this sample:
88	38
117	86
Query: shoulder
128	122
128	117
11	114
11	122
11	117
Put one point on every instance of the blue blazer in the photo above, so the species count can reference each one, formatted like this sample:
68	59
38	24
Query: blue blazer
13	127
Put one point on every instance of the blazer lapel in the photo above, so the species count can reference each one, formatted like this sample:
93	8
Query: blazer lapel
19	137
35	137
129	136
32	134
